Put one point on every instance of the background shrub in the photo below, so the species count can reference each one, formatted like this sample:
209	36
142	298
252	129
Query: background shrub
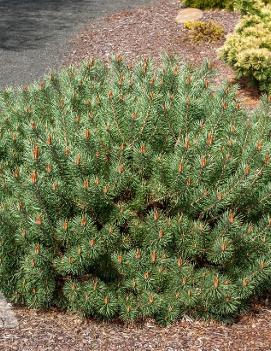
134	192
248	49
245	6
208	4
250	6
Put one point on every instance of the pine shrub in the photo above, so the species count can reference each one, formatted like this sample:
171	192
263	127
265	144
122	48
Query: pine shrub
134	192
248	49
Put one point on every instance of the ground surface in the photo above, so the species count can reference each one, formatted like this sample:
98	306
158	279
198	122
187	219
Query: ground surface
151	31
56	331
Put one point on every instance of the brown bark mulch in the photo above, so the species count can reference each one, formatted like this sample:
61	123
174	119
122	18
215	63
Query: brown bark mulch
57	331
150	31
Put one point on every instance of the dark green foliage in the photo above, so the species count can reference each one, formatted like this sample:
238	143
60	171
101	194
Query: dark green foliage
134	192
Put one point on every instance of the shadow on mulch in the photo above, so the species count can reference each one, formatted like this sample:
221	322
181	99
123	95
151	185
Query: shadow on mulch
248	94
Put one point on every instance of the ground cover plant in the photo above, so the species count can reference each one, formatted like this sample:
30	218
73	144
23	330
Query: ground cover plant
134	192
204	31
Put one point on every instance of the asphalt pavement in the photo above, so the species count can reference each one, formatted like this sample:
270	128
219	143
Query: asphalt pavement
34	34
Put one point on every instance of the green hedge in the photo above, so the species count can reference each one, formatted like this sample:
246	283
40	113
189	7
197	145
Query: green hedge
134	192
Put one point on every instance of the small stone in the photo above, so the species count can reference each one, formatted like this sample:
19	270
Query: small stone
188	14
7	317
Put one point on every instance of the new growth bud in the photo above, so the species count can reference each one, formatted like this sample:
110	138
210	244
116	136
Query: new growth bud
49	168
216	282
120	169
146	275
54	186
34	177
87	134
35	152
92	242
49	140
153	257
106	300
83	221
65	225
203	162
259	145
156	215
97	181
138	254
37	249
142	149
210	139
180	262
161	233
16	173
186	143
85	183
38	220
180	168
247	170
231	217
219	196
267	158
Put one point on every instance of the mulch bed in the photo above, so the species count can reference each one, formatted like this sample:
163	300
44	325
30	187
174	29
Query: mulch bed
150	31
56	331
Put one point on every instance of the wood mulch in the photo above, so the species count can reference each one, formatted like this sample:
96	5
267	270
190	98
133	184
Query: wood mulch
150	31
57	331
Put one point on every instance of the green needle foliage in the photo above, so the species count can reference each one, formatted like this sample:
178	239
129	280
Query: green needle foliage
134	192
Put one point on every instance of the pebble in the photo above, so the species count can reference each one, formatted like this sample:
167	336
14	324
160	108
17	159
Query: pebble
7	317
